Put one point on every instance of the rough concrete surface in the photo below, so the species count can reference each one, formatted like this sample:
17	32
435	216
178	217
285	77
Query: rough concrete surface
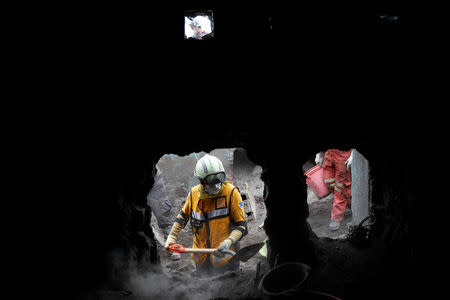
360	187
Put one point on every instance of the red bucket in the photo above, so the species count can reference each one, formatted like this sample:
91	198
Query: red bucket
314	179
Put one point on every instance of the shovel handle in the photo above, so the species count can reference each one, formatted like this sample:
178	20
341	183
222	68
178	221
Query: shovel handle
199	250
207	250
177	248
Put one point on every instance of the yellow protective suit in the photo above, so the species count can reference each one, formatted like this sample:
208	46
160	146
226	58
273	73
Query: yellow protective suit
213	219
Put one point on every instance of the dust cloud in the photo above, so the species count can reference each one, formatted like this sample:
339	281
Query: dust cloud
152	285
159	286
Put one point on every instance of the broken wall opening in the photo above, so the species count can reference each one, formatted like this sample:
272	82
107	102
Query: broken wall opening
173	181
321	201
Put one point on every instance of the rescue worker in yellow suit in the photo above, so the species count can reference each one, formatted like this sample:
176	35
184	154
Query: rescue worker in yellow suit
216	213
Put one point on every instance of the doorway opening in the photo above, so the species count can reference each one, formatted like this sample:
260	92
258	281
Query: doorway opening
338	191
174	179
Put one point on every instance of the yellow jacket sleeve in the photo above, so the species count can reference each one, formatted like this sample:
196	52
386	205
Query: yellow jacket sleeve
237	207
184	215
237	213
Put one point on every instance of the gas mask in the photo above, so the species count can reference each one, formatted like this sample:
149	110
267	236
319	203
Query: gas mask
213	183
212	189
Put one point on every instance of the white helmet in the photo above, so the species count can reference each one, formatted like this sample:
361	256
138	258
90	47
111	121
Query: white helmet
211	173
209	165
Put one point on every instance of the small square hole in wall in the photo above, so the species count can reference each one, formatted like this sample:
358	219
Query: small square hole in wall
198	24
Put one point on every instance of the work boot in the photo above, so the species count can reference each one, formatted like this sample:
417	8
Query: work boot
175	256
334	225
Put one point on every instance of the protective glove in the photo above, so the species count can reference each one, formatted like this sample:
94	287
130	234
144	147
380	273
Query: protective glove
225	245
173	235
171	239
349	161
319	158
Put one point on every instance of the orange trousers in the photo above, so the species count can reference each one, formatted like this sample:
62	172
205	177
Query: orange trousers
339	181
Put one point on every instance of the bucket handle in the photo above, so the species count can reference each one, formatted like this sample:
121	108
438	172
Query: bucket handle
292	291
322	294
276	262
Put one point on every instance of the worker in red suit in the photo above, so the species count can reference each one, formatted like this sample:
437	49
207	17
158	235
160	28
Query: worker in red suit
338	177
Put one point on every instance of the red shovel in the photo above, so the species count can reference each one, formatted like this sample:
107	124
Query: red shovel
177	248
